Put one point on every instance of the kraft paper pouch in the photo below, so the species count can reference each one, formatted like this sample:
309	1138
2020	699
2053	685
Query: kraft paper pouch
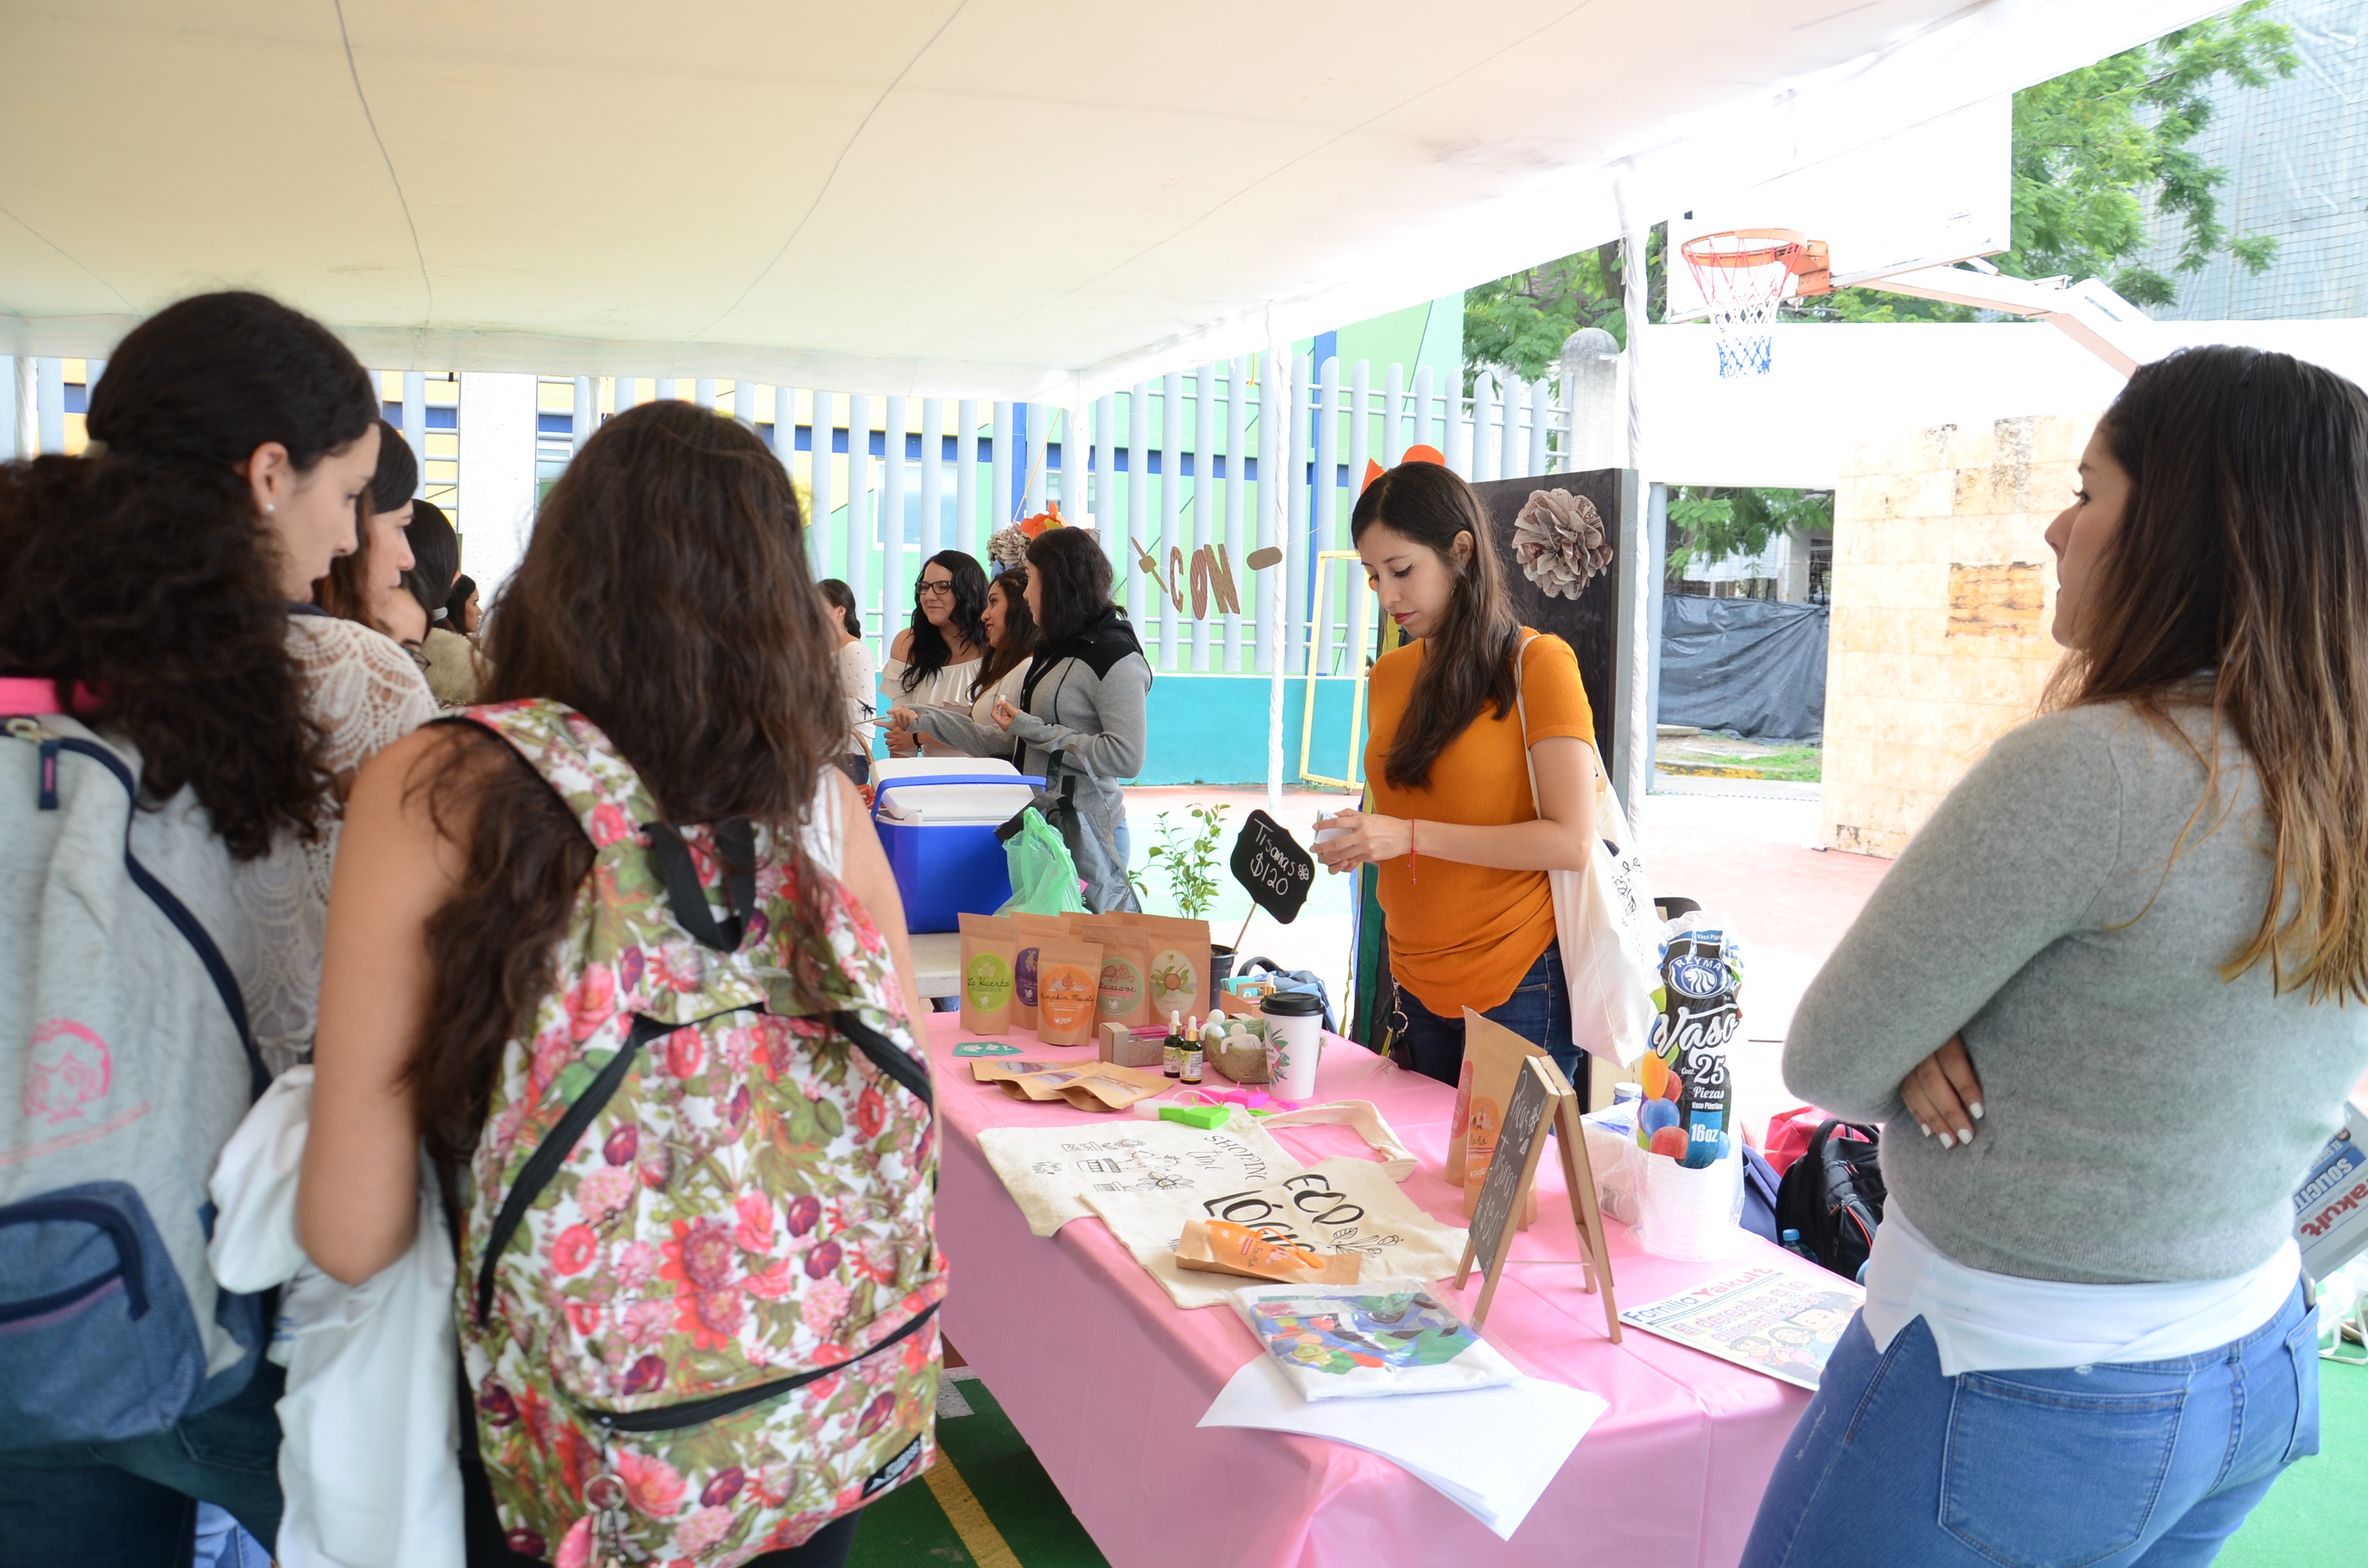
996	1071
1126	972
1220	1246
1034	928
1068	984
989	949
1180	964
1088	1086
1492	1065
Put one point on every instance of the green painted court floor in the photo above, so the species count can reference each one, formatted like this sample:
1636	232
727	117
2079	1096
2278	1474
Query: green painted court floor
988	1503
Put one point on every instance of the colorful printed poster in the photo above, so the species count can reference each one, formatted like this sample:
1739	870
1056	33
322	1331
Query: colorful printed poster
1782	1322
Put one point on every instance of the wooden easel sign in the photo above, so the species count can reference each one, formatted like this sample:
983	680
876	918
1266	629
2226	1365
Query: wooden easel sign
1543	1098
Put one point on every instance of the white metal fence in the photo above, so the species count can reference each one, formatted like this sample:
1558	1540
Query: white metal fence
1172	474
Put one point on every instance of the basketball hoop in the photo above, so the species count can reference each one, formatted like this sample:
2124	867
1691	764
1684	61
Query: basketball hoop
1743	274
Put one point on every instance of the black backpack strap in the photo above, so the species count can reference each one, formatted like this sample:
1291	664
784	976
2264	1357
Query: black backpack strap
191	928
735	841
556	1145
886	1054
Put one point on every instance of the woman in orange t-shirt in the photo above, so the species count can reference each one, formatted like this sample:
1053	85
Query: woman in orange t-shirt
1462	844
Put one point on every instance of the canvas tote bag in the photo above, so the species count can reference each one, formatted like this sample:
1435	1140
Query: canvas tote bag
1604	920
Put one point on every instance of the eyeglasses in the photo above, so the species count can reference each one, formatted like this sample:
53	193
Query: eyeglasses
943	587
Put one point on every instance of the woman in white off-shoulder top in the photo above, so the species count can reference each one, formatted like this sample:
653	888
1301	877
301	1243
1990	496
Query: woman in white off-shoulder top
937	659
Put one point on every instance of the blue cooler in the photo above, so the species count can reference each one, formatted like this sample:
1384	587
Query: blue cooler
936	818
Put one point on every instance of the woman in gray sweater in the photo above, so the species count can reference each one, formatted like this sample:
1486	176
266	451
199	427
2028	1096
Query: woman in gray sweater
2107	1005
1080	713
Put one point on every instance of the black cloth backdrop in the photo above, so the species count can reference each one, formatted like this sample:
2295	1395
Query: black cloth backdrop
1754	667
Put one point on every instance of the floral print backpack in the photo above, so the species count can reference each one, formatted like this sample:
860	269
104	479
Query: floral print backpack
699	1269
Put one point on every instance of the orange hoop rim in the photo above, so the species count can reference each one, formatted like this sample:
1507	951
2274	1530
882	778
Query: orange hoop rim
1787	248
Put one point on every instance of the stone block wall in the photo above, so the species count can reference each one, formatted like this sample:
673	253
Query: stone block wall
1943	590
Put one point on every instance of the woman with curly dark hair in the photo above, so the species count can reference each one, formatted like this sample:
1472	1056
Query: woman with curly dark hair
1011	644
938	658
148	585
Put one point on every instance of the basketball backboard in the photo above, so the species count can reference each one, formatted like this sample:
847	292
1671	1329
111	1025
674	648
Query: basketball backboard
1938	193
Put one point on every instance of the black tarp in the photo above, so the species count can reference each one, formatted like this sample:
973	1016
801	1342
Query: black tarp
1754	667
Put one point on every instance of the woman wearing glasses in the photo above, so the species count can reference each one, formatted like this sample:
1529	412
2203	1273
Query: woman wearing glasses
1002	674
937	659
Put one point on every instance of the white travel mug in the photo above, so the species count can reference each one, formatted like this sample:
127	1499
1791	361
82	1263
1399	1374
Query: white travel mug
1294	1039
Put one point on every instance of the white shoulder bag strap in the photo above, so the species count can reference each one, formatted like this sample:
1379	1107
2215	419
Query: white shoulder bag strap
1603	918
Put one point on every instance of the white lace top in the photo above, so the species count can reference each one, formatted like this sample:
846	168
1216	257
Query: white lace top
367	694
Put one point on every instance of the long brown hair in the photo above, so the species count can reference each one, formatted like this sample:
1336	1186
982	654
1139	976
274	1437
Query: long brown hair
665	595
1467	664
1018	645
2243	549
142	570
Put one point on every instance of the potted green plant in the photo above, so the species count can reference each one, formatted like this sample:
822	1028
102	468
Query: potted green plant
1189	853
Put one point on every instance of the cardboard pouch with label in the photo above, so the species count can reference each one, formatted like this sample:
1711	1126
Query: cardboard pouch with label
1177	976
990	948
1026	965
1126	972
1068	986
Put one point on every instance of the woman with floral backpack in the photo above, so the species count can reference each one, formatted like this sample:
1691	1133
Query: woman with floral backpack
605	944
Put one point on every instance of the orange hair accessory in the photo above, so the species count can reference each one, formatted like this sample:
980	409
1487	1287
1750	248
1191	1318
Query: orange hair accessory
1418	454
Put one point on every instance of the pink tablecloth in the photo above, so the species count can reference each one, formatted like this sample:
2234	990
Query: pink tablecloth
1107	1379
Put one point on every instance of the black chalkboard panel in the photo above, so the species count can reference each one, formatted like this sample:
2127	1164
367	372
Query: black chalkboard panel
1541	1103
1588	623
1271	865
1510	1171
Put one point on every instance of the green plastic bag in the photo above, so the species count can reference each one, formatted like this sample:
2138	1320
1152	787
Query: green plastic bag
1043	878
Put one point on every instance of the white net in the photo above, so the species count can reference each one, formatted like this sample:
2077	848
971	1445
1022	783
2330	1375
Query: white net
1742	276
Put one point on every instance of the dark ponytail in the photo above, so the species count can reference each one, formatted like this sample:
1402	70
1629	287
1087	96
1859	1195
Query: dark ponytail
142	571
1468	662
842	599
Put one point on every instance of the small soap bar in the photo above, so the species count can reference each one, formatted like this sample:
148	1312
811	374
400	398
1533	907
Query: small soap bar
1207	1117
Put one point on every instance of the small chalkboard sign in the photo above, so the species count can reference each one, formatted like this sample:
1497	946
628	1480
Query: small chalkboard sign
1541	1100
1271	865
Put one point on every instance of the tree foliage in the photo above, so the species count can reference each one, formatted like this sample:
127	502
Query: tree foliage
1709	524
2094	147
1520	322
2092	150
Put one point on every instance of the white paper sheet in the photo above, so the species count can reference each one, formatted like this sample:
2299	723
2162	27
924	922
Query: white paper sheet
1490	1451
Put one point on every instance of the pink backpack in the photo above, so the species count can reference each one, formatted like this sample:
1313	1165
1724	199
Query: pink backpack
699	1267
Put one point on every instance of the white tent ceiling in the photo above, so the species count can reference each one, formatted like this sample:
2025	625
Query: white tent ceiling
953	197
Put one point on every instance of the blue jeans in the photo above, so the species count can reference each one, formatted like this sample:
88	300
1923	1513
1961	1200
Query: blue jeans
1538	1010
2109	1466
134	1503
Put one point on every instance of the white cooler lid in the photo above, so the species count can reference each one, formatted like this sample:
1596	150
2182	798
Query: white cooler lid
949	803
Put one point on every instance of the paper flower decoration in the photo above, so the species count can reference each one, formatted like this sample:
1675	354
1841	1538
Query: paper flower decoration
1048	519
1558	538
1009	546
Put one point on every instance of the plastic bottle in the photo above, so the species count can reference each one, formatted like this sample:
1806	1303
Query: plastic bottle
1172	1055
1790	1241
